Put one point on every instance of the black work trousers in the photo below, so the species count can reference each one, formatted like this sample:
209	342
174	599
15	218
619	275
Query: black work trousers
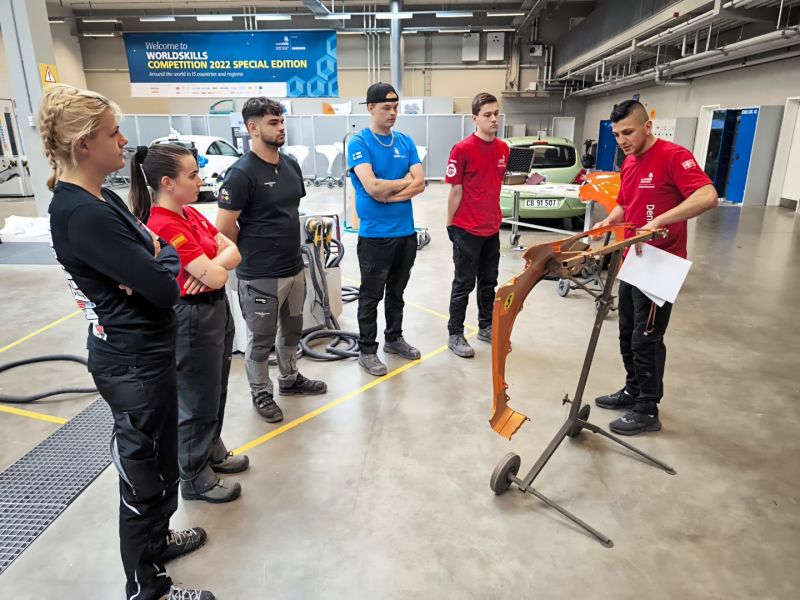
204	351
385	270
142	393
642	325
476	259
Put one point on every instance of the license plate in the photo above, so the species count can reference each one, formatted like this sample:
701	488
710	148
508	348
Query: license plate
542	203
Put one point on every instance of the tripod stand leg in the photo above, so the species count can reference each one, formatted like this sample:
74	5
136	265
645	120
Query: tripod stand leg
603	539
600	431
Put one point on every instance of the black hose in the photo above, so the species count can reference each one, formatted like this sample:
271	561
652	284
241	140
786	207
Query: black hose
350	293
334	350
58	392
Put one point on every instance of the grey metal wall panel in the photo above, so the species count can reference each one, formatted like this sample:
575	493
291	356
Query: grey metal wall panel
182	124
762	159
152	127
128	127
199	125
443	131
220	126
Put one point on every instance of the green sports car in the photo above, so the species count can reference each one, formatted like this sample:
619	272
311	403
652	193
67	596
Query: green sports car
557	158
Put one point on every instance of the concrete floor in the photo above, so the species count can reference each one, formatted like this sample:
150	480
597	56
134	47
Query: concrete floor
384	493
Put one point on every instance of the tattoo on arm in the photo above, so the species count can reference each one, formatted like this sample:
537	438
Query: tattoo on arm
202	275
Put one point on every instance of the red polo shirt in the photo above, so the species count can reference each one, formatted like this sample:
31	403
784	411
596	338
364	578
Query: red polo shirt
655	182
478	166
192	235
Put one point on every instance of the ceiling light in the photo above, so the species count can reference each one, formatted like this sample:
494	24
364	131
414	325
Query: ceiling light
214	18
499	29
159	19
505	14
454	14
394	16
334	17
99	34
455	31
90	20
273	17
57	20
350	32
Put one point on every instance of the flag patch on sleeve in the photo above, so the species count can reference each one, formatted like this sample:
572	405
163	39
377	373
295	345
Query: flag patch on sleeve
178	241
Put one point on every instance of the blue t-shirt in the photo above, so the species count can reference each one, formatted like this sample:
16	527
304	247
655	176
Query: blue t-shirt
379	219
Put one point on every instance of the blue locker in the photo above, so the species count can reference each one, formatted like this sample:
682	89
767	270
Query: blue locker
720	145
606	147
740	159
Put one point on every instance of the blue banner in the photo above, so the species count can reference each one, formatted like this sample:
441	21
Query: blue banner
294	64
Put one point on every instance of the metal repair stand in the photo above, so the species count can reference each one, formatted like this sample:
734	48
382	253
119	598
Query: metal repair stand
506	471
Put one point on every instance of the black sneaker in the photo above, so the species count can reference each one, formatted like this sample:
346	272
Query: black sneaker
620	399
266	407
303	385
633	423
177	592
180	543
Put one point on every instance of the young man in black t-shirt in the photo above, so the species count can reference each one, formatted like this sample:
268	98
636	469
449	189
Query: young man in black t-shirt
259	203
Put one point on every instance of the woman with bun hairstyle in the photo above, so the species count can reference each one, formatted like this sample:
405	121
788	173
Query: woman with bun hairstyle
205	324
123	277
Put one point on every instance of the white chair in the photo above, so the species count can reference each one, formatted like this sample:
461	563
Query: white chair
331	152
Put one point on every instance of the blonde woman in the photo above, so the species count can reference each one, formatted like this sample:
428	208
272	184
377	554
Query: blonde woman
123	276
205	323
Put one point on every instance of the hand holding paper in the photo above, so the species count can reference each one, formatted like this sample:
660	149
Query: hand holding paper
656	273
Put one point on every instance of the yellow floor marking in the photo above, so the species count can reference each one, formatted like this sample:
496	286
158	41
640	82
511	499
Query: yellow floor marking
29	413
38	331
32	415
340	400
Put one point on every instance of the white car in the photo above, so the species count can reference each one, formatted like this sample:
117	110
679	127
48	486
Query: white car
215	155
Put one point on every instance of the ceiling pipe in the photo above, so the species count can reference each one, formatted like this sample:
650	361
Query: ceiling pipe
659	79
774	40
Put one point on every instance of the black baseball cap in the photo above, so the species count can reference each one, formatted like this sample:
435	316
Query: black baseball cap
381	92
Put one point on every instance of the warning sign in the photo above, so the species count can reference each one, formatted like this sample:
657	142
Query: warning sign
49	74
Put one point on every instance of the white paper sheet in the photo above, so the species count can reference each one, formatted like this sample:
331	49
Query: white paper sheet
656	272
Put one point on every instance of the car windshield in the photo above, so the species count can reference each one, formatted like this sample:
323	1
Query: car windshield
553	157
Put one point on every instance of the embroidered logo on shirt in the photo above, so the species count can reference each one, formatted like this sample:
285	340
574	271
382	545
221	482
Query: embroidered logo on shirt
647	182
269	183
357	155
688	164
178	241
224	196
451	169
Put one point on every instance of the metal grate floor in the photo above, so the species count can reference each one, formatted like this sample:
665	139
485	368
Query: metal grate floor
40	485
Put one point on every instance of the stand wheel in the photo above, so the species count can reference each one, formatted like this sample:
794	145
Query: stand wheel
508	466
583	414
563	287
330	185
340	183
514	240
316	183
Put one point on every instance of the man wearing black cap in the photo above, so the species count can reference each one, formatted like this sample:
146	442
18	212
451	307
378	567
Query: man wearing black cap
387	173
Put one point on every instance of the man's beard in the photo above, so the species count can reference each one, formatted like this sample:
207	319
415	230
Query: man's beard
274	142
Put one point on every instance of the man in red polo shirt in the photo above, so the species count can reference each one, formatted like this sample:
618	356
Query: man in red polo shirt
475	171
662	187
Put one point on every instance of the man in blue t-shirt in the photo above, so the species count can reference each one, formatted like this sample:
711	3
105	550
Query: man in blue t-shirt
386	174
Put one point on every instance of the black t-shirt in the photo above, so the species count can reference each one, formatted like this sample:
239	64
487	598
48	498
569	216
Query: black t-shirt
269	223
101	245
